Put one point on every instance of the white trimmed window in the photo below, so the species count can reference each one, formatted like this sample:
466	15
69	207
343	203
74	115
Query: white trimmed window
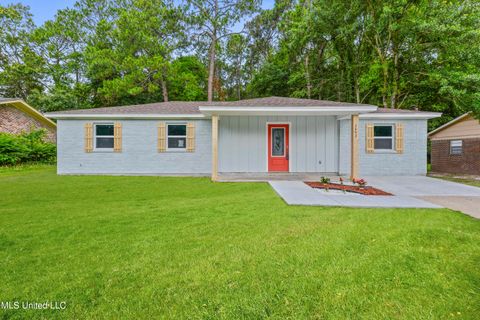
176	136
383	137
456	146
104	136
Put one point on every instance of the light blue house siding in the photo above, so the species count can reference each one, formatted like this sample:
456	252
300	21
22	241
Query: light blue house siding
317	144
139	151
413	161
313	143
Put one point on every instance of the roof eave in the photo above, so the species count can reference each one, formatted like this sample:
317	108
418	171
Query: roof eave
25	107
405	116
119	116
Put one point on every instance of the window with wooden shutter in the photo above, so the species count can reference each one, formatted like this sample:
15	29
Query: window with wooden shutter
190	137
399	138
162	137
117	137
88	137
370	141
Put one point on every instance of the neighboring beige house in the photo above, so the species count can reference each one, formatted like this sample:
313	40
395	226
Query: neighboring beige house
456	146
16	116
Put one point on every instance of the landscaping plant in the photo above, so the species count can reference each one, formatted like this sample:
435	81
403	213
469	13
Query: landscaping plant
26	148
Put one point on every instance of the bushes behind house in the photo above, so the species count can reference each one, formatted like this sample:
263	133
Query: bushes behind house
26	147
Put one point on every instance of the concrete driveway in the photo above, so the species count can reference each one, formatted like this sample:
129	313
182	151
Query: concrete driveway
452	195
408	192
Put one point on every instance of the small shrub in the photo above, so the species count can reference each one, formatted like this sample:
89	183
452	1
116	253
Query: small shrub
325	180
26	147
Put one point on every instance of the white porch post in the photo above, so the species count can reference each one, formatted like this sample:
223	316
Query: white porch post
214	147
354	147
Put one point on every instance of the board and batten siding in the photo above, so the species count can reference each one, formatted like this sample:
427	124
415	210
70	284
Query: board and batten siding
412	161
139	154
243	143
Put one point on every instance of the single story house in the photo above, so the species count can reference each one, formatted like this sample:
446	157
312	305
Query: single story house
456	146
16	116
251	136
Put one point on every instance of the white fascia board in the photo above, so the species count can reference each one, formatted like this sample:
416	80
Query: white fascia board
406	116
266	110
94	116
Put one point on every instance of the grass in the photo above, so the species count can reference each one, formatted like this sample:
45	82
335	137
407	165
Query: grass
186	248
470	182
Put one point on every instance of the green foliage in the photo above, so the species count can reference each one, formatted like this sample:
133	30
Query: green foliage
324	179
26	147
396	54
21	69
187	79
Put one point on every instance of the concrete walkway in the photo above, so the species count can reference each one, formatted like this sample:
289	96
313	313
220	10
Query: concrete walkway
298	193
408	192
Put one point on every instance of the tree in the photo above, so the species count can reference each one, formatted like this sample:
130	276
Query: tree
21	69
215	19
187	79
236	50
130	55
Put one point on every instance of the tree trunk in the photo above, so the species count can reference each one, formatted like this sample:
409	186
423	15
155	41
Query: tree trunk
307	77
238	82
211	68
394	97
357	89
163	82
385	84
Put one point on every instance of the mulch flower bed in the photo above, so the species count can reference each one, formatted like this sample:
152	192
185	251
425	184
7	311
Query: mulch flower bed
367	190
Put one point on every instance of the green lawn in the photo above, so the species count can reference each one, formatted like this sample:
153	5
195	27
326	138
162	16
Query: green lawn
156	247
471	182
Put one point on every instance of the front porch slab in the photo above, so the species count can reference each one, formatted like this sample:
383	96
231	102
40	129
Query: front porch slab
272	176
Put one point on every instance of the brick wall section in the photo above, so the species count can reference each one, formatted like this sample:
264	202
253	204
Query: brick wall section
466	163
15	121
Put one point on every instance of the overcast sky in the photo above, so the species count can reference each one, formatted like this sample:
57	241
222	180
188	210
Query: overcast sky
43	10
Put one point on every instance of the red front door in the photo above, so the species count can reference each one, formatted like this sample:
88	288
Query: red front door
278	147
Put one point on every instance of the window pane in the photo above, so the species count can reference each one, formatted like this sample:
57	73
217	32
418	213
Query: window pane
278	141
104	143
383	144
456	150
383	131
456	143
456	147
177	130
104	129
177	143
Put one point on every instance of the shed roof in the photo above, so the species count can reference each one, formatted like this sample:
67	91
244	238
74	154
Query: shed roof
464	126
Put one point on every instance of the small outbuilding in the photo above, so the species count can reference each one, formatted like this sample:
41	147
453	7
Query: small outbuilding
16	116
456	146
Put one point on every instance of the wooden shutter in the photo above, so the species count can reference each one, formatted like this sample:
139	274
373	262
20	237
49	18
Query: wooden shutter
88	137
399	138
370	142
162	137
190	137
117	137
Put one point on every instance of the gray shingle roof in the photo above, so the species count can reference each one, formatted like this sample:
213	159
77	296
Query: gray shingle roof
191	107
